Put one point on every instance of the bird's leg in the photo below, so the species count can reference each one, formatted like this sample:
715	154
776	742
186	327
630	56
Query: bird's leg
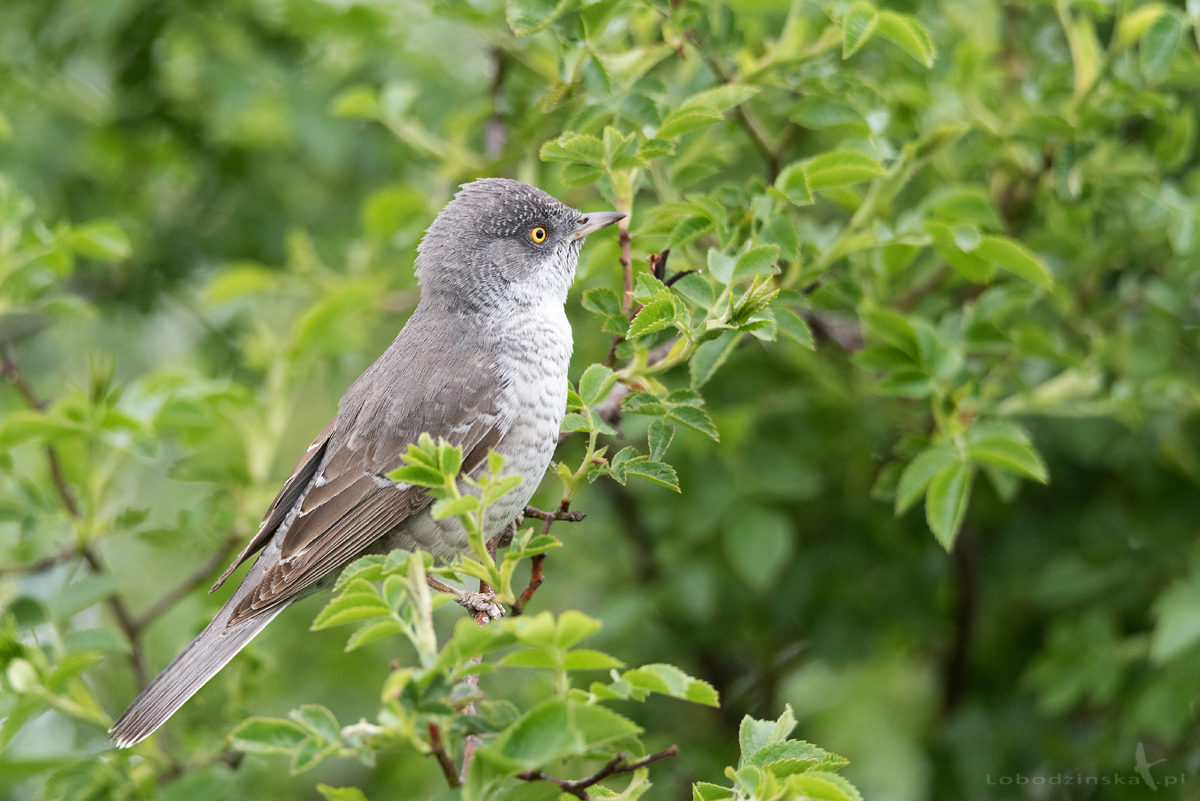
478	603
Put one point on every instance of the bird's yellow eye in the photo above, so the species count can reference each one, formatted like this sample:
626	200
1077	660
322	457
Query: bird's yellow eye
538	234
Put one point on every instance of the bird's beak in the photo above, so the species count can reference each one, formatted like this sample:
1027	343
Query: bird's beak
592	222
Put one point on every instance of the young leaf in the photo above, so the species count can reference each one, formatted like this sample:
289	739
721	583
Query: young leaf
839	168
530	16
595	384
917	475
1014	257
909	34
857	26
756	261
268	736
793	183
946	501
654	316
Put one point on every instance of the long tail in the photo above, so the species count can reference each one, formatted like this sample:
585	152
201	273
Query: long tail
208	653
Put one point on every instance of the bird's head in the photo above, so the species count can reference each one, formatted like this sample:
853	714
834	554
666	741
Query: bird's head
500	240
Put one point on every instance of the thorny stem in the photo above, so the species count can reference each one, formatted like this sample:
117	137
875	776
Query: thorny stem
617	764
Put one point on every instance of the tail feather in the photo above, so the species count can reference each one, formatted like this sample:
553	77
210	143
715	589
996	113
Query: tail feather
208	653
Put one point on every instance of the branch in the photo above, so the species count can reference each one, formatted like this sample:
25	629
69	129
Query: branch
758	140
41	565
536	574
181	590
616	765
626	243
443	759
124	619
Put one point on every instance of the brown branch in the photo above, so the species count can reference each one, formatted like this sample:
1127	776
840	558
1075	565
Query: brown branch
616	765
536	571
954	668
557	514
443	759
181	590
758	140
124	619
41	565
626	243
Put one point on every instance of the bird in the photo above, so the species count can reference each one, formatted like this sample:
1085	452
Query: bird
481	363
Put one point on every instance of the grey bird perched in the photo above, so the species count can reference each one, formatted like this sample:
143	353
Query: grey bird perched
482	363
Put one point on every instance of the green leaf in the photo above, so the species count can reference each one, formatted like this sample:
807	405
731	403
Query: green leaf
587	659
894	329
707	791
709	357
22	426
970	265
319	721
1013	257
794	326
840	168
373	633
909	34
919	472
857	26
1159	46
656	315
357	101
946	501
659	438
595	383
758	546
657	472
102	240
268	736
341	793
530	16
347	608
686	119
722	98
1005	445
755	261
793	183
754	735
826	786
1177	619
574	147
695	418
83	592
670	680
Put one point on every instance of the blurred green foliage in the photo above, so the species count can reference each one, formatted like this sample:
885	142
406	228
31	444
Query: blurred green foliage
944	324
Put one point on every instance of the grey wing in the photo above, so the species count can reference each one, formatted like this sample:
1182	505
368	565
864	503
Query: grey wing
350	503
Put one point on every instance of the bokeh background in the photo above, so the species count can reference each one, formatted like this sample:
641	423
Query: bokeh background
208	213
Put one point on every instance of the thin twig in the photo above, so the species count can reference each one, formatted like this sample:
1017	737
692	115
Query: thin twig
626	243
41	565
557	514
124	619
617	764
181	590
443	759
758	139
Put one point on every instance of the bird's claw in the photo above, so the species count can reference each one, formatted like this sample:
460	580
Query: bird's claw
480	603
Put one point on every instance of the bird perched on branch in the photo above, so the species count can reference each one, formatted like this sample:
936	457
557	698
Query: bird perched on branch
482	363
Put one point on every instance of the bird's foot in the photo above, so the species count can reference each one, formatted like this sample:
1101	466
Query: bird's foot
480	603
